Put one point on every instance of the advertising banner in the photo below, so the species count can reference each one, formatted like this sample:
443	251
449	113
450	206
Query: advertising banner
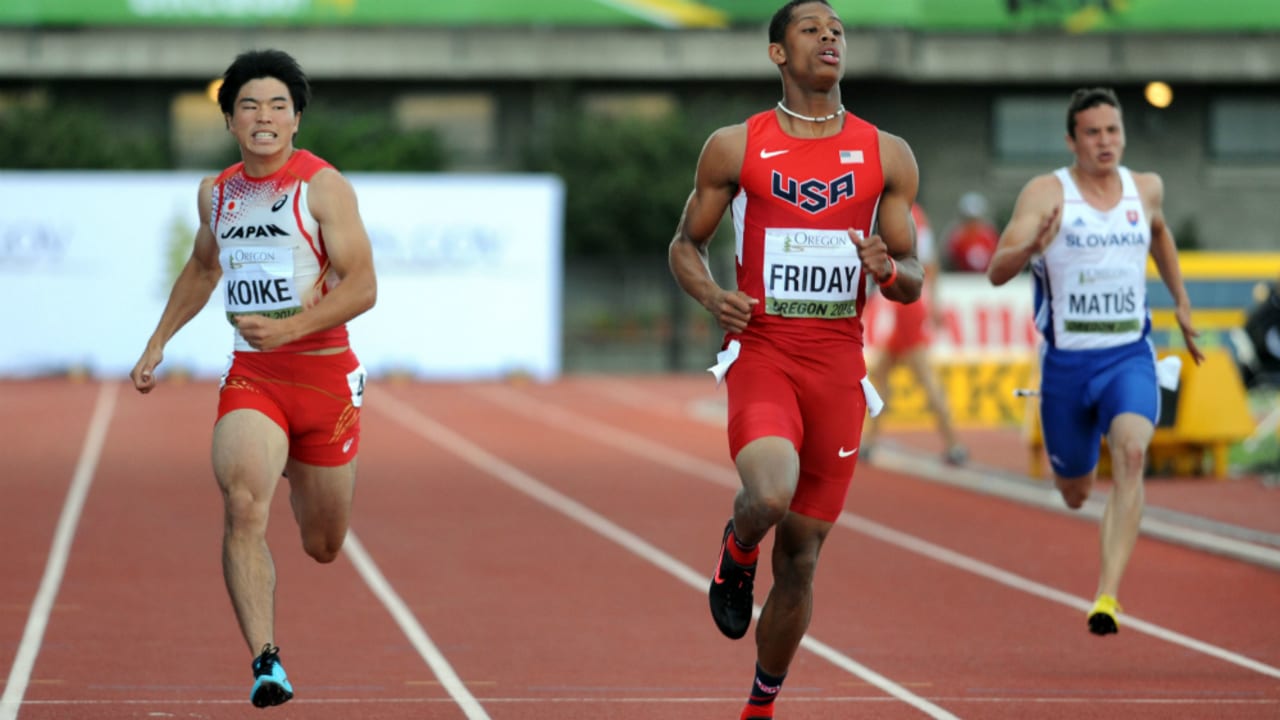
469	274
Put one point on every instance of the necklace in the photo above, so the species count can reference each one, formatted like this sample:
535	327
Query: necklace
839	111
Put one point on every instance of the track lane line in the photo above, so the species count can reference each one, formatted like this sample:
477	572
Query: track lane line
644	448
38	619
411	628
438	434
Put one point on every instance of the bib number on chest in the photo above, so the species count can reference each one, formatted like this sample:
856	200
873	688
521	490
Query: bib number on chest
810	273
1103	300
259	281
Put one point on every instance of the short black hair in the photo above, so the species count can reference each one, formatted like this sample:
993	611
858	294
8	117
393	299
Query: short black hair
782	19
1086	98
256	64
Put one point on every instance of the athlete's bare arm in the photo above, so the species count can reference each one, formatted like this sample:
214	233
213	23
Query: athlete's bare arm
190	292
715	184
1035	221
1165	254
331	201
895	230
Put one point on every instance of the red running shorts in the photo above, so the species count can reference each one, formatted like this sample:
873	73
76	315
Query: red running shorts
315	399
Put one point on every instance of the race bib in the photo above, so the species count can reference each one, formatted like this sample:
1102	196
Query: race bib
356	380
1104	300
259	281
811	273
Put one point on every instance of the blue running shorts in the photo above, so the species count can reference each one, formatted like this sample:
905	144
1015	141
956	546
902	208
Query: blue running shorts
1082	391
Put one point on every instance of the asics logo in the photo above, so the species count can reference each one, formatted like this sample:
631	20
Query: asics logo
766	154
846	453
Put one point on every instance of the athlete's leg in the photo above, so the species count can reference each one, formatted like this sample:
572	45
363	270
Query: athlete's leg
1128	439
787	610
249	451
321	501
769	468
764	429
918	360
1069	425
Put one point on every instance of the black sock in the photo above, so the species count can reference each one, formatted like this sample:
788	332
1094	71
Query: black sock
764	689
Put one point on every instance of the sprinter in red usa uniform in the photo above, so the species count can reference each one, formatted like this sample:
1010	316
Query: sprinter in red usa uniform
821	202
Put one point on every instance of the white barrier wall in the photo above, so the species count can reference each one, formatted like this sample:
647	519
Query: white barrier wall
469	274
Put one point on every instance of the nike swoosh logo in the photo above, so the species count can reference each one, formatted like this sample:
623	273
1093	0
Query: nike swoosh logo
846	453
766	154
717	579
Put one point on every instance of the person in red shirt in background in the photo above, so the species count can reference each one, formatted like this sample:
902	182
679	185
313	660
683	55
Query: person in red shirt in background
973	240
908	345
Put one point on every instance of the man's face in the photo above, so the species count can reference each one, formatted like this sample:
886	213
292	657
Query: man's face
815	43
1099	138
263	119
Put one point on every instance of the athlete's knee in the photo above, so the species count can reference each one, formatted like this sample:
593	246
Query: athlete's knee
769	503
1074	492
323	547
1132	455
795	569
243	512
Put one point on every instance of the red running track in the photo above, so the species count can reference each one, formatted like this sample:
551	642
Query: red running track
541	551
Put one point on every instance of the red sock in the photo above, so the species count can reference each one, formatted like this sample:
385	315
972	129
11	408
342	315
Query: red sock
744	556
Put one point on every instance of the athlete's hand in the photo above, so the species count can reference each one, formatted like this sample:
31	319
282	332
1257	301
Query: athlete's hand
874	255
1189	333
261	332
143	374
732	309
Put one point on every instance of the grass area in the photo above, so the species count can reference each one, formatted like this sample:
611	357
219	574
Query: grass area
1262	452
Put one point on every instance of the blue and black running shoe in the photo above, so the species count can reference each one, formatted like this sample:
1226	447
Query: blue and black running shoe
270	686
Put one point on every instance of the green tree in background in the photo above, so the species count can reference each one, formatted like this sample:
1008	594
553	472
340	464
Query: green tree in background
38	135
626	179
365	141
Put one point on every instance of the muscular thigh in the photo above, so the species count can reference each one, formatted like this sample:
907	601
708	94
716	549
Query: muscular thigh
249	451
314	399
762	400
1083	392
833	407
321	495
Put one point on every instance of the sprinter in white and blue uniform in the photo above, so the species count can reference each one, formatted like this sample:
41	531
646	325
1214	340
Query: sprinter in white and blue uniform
1086	231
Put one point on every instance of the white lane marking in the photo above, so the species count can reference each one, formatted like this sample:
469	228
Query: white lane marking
601	699
411	628
1044	495
682	462
475	455
38	619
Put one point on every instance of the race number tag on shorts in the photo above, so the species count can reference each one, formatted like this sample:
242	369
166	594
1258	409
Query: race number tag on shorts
1104	300
259	281
355	380
810	273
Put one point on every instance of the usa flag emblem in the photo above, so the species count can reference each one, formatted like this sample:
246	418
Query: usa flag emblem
850	157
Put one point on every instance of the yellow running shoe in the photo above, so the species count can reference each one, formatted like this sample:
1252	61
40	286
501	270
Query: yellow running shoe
1104	618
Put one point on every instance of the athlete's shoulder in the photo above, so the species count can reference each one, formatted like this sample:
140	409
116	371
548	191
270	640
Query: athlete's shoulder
306	164
891	144
1047	186
1147	182
227	174
726	146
